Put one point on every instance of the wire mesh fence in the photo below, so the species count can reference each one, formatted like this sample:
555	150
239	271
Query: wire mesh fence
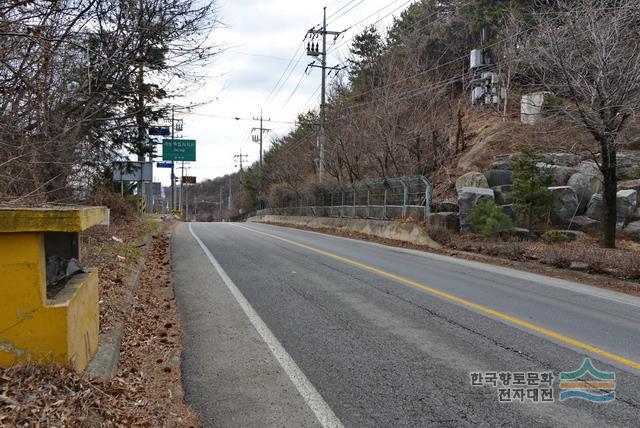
393	198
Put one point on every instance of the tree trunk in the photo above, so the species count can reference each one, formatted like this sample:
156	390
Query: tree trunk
608	168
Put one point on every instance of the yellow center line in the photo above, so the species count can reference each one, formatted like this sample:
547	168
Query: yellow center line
521	323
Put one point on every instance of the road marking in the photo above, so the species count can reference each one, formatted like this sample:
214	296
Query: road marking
484	309
309	394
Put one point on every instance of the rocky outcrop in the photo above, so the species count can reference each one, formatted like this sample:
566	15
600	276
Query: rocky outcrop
468	197
501	193
559	174
509	211
498	177
564	205
472	179
564	159
633	230
628	166
585	186
444	220
626	204
585	224
444	207
630	185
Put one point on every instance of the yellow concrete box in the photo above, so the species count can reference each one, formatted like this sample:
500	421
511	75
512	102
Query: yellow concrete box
33	328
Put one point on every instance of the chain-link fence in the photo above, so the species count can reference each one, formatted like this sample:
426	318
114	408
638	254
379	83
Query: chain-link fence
393	198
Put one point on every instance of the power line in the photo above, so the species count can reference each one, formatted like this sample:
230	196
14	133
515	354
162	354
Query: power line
293	58
346	11
374	23
345	5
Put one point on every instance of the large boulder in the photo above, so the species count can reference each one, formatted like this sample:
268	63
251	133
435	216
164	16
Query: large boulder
595	207
559	174
628	166
509	211
498	177
585	186
503	162
468	197
589	168
564	206
585	224
630	185
501	193
472	179
564	159
626	204
633	230
445	207
444	220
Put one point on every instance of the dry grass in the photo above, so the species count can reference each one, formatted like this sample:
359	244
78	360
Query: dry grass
622	262
146	391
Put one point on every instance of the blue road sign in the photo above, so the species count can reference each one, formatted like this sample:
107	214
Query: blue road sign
164	164
162	131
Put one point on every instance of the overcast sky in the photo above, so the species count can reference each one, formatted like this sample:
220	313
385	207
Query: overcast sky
260	38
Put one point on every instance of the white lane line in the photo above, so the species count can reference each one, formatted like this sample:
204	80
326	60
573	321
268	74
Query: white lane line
309	394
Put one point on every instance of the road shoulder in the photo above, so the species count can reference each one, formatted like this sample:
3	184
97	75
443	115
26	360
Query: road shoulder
230	375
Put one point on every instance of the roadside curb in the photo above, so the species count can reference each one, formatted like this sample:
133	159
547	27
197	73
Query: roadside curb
104	364
596	280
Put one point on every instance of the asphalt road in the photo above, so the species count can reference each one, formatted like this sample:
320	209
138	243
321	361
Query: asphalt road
385	336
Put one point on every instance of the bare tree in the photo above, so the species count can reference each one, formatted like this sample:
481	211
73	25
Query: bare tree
79	82
589	52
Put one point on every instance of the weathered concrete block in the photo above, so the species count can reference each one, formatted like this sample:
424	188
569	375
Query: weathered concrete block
498	177
444	220
564	206
472	179
468	197
531	107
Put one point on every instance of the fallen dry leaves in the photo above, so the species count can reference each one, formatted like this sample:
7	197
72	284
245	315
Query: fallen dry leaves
147	389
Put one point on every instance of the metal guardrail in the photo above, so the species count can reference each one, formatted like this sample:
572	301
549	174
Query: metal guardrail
394	198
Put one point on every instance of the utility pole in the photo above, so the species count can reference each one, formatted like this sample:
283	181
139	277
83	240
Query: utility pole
314	51
173	175
261	131
229	205
239	159
220	205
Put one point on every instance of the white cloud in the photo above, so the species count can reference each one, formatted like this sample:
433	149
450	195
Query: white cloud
269	28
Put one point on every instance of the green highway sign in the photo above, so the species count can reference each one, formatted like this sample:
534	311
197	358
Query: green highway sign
179	150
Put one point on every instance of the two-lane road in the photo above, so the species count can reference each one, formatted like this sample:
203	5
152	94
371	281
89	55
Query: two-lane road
381	336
